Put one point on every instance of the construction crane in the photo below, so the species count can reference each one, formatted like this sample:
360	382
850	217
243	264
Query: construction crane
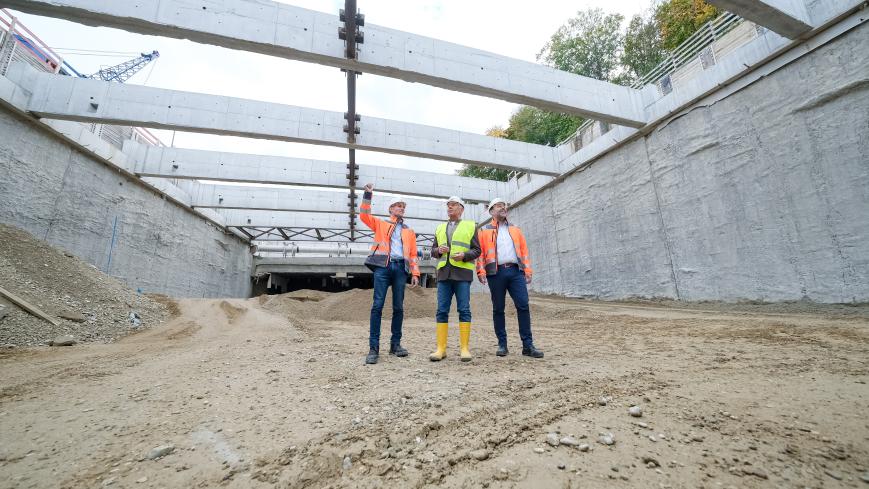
121	72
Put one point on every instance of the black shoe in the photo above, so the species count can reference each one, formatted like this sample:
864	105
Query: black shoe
532	352
502	351
397	350
372	357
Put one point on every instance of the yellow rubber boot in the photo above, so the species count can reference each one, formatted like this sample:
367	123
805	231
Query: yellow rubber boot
464	340
441	352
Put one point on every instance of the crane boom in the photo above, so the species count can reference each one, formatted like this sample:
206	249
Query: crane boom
124	71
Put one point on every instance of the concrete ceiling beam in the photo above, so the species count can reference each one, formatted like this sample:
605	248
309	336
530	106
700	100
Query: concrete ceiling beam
156	161
314	201
290	219
257	218
277	29
84	100
788	18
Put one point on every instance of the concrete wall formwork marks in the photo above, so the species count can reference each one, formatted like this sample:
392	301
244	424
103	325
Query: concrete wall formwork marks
71	200
602	232
763	195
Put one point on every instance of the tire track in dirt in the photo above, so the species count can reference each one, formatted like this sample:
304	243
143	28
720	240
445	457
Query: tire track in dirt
419	457
49	365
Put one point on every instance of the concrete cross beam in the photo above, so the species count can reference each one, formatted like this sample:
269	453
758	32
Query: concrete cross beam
277	29
68	98
788	18
156	161
258	218
290	219
313	201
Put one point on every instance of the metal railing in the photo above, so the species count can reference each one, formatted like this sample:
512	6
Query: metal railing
144	136
116	135
20	44
691	48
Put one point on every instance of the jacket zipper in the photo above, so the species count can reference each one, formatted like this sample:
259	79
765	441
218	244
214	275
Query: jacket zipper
497	228
389	247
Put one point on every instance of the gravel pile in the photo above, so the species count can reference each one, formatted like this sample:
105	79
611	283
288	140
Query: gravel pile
90	305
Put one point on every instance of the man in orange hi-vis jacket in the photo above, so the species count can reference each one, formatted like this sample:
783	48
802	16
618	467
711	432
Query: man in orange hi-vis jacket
506	266
393	257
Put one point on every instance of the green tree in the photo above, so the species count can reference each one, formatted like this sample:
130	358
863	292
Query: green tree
678	19
484	172
529	125
643	50
589	44
536	126
496	132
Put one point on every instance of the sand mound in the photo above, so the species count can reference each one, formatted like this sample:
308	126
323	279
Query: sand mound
96	307
355	305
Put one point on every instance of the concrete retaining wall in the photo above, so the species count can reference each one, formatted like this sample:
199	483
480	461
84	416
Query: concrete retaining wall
72	201
763	195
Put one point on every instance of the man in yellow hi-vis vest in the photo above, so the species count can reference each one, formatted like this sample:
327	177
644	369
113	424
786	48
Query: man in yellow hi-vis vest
456	250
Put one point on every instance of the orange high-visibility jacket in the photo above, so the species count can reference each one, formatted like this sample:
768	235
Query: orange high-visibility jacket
382	233
487	263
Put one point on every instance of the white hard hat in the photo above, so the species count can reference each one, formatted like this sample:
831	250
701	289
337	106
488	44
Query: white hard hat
395	200
496	201
456	200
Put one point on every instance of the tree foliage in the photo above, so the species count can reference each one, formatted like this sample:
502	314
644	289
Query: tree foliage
475	171
496	132
678	19
529	125
643	50
536	126
589	44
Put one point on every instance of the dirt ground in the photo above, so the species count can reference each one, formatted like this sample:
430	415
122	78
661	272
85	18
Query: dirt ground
256	393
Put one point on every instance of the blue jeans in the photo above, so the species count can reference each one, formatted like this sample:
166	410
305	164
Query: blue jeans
510	280
392	275
462	291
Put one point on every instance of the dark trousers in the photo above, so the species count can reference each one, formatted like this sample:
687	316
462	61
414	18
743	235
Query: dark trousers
510	280
446	290
395	276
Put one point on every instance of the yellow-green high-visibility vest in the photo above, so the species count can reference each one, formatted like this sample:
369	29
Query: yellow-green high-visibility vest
462	236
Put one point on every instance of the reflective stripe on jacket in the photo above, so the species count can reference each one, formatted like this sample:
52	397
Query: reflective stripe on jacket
460	243
382	233
487	263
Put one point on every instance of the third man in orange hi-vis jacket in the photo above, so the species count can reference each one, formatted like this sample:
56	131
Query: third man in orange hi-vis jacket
393	257
504	263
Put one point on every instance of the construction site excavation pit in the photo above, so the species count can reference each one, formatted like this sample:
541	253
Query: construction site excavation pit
188	260
272	392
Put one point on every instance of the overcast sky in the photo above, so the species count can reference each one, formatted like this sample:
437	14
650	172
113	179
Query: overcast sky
509	27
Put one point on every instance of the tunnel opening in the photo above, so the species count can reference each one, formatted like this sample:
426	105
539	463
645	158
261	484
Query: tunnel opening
282	283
